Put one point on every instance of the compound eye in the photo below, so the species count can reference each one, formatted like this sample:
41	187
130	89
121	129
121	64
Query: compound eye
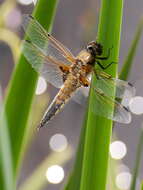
90	47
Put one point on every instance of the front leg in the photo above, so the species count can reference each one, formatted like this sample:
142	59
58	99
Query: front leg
106	57
105	67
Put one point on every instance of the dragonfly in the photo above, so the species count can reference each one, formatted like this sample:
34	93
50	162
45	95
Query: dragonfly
71	74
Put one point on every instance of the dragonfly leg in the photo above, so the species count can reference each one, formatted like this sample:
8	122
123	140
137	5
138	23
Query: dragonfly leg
96	74
106	57
105	67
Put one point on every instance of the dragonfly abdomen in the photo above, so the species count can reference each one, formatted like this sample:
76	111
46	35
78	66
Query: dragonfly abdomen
50	113
64	94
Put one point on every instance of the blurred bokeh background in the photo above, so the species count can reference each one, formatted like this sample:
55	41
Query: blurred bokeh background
75	24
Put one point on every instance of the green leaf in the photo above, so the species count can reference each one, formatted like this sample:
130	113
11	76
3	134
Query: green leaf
92	155
142	186
132	52
137	162
22	87
74	180
99	129
98	180
6	164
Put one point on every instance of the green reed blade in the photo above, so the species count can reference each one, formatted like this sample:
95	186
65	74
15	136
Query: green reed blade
22	87
99	129
132	52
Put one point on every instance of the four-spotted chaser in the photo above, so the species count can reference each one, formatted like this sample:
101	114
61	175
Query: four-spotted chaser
52	60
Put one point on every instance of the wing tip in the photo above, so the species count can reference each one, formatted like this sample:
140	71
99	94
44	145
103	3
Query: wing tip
128	121
130	84
133	89
126	108
128	118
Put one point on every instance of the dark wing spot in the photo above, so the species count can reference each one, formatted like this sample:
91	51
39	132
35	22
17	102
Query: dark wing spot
126	108
130	84
65	73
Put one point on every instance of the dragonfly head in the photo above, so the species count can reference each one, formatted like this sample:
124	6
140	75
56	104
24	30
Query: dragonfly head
95	48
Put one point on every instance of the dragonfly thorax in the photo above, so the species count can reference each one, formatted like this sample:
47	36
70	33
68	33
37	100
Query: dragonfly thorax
76	68
80	69
85	57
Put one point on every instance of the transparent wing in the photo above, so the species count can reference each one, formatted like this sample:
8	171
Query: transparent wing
46	66
43	40
124	89
105	103
80	95
108	107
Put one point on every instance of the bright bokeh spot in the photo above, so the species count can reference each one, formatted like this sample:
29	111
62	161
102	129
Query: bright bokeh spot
25	2
55	174
13	19
123	168
58	142
41	86
34	1
118	149
136	105
123	180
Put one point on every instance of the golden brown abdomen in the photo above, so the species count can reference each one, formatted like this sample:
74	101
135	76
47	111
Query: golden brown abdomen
64	94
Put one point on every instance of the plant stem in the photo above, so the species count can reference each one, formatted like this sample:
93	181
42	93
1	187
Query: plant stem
74	180
132	52
99	129
6	164
22	87
137	162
